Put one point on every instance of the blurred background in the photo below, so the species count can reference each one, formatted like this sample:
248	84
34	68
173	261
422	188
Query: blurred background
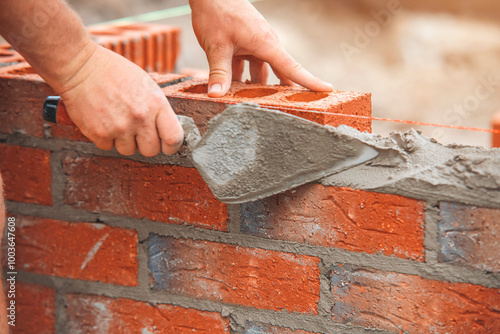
429	61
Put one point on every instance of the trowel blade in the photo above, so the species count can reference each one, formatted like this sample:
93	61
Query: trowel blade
249	153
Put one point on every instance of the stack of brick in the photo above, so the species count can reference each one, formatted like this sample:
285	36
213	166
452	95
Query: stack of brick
8	55
113	244
153	47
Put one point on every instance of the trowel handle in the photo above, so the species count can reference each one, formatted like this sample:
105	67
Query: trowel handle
54	111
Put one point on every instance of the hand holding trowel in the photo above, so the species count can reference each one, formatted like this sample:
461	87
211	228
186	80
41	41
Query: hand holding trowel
249	153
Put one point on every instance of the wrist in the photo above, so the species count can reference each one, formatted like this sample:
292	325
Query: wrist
63	77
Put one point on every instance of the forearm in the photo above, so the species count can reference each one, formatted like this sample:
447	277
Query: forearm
49	35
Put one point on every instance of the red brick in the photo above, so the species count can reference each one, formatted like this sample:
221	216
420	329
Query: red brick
195	72
399	302
86	314
469	236
9	55
345	218
154	47
258	328
231	274
85	251
26	174
171	194
21	100
495	124
190	99
35	309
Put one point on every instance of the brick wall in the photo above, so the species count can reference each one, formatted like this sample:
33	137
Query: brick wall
113	244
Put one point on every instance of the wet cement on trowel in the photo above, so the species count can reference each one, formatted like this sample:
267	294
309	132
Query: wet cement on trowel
412	165
257	152
249	153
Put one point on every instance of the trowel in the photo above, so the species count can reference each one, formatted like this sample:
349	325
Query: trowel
249	153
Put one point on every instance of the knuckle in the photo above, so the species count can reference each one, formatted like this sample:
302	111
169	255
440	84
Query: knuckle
121	128
99	134
215	47
141	115
218	72
271	36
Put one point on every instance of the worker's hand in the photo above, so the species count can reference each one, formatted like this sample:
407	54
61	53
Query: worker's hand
114	102
232	31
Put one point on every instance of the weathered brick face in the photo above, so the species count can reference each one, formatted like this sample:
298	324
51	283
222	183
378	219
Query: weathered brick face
344	218
85	251
97	314
35	309
235	275
406	303
470	236
26	173
170	194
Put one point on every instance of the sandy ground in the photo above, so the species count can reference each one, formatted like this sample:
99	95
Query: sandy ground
420	63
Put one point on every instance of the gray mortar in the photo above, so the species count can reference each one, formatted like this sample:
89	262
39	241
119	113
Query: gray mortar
329	256
412	165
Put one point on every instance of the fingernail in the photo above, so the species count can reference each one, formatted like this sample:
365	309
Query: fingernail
329	85
215	88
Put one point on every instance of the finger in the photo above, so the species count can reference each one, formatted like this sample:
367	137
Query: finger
104	144
126	145
238	67
259	71
283	80
169	129
148	142
280	59
220	63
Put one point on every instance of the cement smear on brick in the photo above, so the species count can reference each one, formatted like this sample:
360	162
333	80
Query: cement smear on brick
250	153
412	165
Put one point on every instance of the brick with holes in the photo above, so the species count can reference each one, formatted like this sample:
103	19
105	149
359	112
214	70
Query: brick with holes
190	99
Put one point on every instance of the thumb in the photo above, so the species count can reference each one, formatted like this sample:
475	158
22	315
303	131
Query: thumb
169	129
220	63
